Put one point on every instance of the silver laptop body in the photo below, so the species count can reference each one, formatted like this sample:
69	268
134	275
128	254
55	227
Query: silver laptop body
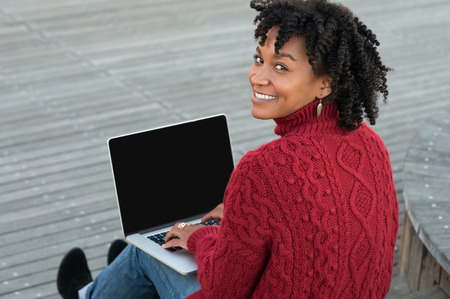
170	174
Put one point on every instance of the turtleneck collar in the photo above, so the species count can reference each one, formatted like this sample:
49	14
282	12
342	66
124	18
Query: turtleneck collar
305	120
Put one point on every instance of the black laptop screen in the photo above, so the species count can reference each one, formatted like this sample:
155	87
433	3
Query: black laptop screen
171	173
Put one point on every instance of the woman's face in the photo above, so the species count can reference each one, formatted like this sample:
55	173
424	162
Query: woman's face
283	83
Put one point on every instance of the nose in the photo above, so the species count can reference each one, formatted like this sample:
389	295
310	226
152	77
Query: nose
258	75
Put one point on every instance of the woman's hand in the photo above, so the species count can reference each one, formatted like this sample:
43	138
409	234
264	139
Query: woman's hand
217	213
177	236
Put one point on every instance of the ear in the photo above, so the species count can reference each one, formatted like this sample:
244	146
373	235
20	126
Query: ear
325	87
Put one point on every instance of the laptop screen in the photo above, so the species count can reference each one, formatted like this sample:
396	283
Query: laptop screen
171	173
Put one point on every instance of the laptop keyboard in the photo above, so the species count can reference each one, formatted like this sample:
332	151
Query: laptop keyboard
160	238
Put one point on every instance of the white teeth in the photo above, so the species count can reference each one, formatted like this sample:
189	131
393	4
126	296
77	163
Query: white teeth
264	96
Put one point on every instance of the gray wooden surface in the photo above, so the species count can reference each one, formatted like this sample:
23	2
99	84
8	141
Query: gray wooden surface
74	72
427	186
433	292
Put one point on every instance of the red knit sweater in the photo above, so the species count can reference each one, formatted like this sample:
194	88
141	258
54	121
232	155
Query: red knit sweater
312	214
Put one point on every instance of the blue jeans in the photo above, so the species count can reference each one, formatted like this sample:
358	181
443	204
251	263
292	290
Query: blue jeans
135	274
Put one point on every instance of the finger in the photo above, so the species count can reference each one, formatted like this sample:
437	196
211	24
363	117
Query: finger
217	213
178	237
207	217
211	216
174	232
172	238
172	243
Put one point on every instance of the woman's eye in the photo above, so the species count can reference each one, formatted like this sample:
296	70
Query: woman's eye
257	59
281	67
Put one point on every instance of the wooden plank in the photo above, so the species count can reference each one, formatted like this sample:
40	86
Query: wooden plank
405	247
415	262
434	292
436	237
445	282
424	210
431	272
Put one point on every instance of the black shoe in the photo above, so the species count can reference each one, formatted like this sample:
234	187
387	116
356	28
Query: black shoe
115	249
73	274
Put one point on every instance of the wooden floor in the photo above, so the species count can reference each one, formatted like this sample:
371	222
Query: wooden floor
75	72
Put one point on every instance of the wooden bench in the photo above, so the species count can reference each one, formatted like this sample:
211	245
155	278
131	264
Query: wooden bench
425	242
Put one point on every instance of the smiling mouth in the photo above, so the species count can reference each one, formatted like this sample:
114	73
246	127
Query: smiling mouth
265	96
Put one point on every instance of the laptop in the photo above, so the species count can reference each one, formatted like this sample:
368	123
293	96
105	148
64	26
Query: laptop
170	174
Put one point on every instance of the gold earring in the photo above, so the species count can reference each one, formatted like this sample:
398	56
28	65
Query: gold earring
319	108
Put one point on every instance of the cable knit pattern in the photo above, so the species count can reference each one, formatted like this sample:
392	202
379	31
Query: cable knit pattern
312	214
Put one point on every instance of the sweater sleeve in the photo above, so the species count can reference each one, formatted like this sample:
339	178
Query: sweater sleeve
232	259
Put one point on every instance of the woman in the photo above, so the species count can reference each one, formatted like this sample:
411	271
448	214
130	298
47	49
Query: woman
312	214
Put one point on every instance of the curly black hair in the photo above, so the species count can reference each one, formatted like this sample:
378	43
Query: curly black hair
338	44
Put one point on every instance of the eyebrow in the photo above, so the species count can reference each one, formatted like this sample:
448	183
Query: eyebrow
278	55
